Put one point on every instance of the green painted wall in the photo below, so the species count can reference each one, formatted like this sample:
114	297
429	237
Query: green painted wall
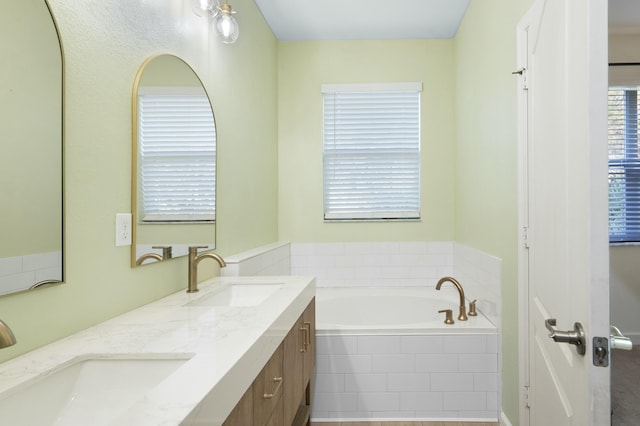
486	214
302	68
105	42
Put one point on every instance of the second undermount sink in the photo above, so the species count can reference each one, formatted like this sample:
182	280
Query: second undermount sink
238	295
89	391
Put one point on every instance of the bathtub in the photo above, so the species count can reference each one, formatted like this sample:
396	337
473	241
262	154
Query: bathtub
385	354
398	310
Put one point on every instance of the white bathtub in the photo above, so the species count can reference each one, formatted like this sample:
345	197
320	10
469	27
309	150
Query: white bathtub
397	310
385	354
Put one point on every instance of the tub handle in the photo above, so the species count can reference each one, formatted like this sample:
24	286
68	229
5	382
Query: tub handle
448	317
472	309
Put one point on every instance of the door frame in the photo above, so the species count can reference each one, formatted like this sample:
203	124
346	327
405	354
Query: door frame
523	220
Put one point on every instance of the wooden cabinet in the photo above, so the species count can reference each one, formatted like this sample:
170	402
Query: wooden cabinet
242	414
261	404
281	393
299	358
267	389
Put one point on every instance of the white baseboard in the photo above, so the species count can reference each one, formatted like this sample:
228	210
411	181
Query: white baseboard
504	420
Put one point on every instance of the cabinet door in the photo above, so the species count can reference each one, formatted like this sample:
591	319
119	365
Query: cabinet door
293	388
268	388
309	355
277	416
242	414
299	361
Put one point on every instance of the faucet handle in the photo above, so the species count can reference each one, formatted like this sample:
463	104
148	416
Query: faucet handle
194	249
166	251
448	318
472	309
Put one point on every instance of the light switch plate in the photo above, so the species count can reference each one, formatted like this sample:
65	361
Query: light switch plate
123	229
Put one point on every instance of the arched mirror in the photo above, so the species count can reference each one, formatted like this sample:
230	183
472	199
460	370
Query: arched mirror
174	162
31	155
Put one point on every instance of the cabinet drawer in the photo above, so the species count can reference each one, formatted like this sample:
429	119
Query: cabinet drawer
267	388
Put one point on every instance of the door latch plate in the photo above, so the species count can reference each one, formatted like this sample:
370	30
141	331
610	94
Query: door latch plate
600	352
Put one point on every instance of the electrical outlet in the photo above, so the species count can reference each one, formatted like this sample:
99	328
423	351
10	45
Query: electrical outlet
123	229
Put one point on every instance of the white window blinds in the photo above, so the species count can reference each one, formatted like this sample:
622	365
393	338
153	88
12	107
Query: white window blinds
371	151
177	155
624	166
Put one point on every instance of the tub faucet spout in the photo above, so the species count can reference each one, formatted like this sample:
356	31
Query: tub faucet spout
463	309
194	259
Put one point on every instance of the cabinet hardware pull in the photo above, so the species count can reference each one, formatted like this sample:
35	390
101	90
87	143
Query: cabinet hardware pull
307	324
304	338
277	380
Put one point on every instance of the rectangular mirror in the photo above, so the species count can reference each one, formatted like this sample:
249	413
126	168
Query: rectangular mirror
31	147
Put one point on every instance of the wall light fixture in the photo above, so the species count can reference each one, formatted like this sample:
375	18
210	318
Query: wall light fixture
225	25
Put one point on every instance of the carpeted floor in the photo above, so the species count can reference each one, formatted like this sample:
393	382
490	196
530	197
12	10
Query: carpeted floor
625	389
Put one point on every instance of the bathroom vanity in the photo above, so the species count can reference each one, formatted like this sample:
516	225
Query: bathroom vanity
281	394
238	352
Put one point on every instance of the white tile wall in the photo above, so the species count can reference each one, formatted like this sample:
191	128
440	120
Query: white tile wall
481	275
391	378
373	263
21	272
271	259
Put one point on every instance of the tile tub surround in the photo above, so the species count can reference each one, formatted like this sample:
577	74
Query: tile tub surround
228	347
405	264
271	259
372	264
412	377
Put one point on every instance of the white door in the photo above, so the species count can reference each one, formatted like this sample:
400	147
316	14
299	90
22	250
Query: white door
562	47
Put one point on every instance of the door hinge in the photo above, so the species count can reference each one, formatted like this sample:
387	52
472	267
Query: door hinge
526	396
525	237
522	72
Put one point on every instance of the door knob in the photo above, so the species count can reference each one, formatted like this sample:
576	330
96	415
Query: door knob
573	337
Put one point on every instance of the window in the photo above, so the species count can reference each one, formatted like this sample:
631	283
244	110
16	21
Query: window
624	165
371	151
177	155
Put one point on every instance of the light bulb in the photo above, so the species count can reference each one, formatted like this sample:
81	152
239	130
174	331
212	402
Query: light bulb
205	8
226	25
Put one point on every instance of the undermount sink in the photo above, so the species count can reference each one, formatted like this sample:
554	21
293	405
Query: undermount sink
89	391
237	295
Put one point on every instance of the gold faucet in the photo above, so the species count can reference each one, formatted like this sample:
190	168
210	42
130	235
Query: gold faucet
166	254
146	256
6	336
463	309
194	259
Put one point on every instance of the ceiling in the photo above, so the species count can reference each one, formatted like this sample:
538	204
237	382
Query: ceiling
305	20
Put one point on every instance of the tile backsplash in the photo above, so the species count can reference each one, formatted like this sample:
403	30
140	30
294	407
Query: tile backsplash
271	259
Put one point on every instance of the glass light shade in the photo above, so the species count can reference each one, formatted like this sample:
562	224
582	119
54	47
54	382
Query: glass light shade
205	8
226	26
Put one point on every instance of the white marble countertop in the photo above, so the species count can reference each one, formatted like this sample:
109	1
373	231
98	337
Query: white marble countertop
226	346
